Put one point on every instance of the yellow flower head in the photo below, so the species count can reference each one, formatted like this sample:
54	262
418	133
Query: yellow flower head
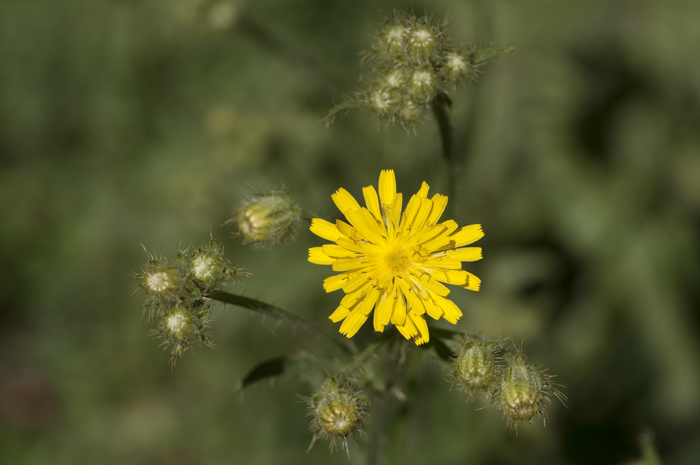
395	263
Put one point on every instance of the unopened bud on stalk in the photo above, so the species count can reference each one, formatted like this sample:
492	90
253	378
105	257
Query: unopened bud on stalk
336	413
456	66
423	86
524	390
160	280
268	219
382	101
422	42
181	326
476	367
391	40
208	267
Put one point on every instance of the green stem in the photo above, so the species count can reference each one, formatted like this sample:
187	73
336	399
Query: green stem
360	358
441	106
398	429
309	329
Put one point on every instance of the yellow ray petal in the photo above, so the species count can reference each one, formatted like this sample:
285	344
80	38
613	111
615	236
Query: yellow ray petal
432	309
418	223
439	204
335	282
431	233
465	254
473	283
352	323
368	300
467	235
355	282
413	301
317	256
349	244
435	262
428	285
365	224
450	310
351	301
423	191
422	327
454	277
409	213
398	314
339	314
347	264
336	251
382	313
324	229
387	188
345	201
407	328
372	202
394	213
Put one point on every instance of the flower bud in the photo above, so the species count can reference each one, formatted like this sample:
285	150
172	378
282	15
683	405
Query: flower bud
476	368
336	413
161	281
422	42
524	390
268	218
382	101
395	78
423	86
392	39
456	66
180	326
208	267
409	113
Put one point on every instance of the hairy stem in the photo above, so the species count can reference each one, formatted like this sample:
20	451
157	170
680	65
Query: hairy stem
309	329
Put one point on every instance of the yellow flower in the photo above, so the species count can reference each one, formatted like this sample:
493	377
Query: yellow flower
395	263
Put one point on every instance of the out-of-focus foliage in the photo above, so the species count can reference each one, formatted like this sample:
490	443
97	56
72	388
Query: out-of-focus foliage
125	122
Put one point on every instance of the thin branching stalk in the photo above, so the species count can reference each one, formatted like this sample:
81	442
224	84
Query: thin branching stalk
309	329
441	107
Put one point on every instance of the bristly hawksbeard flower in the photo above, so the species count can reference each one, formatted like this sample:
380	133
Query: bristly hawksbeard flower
395	263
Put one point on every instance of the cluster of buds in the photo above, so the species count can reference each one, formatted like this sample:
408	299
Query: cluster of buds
176	294
519	389
267	219
336	413
415	64
414	60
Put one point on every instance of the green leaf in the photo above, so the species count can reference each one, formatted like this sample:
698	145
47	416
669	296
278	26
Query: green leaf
268	369
485	55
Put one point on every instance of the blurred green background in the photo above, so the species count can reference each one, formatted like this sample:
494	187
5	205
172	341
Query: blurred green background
128	122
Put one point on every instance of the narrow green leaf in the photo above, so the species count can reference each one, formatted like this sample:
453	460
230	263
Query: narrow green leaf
268	369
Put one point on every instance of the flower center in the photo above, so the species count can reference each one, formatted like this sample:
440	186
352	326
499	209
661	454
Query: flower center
397	260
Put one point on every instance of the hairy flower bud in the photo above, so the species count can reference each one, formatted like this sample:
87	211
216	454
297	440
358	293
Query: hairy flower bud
383	101
180	326
524	390
268	219
161	281
422	42
336	413
423	85
208	267
476	368
456	66
395	78
392	40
